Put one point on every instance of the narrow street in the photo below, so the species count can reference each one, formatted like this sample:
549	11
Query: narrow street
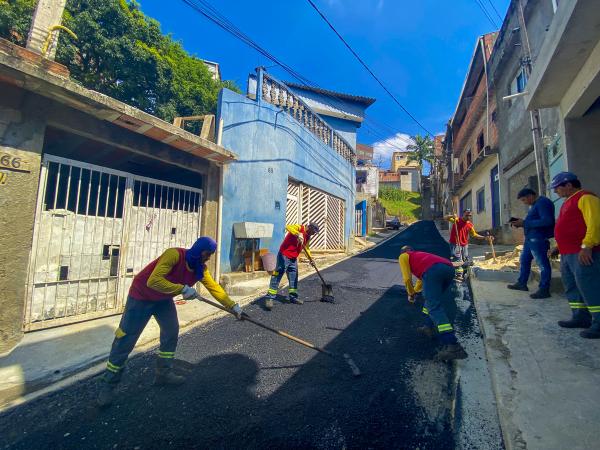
248	388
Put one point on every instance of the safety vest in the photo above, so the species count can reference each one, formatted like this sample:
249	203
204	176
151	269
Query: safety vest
179	274
290	247
464	228
570	228
421	262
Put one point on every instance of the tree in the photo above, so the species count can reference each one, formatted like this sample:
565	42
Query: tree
123	54
15	19
421	150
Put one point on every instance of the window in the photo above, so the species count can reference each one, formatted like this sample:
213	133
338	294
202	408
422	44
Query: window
494	116
403	172
465	203
480	142
519	82
481	200
469	158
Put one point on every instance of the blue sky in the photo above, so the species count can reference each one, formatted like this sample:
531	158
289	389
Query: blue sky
419	49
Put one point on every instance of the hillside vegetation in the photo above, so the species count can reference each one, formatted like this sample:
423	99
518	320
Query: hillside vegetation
406	205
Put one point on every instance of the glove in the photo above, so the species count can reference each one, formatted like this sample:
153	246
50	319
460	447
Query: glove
189	293
301	240
237	310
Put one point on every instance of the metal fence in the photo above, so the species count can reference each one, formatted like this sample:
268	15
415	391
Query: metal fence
96	228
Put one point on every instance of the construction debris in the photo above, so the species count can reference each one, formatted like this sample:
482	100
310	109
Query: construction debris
509	261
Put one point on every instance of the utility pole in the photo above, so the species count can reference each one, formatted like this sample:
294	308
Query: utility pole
534	115
45	26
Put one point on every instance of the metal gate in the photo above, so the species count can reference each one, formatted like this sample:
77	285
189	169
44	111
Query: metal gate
306	204
95	228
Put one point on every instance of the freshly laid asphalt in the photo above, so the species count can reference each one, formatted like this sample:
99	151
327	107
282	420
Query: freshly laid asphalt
248	388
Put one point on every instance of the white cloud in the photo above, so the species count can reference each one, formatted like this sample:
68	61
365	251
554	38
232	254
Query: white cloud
382	150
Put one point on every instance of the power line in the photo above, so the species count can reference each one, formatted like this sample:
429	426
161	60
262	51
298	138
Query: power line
487	14
209	12
368	69
497	13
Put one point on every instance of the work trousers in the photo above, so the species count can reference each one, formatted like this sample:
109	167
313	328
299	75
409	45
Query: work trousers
437	289
460	252
536	248
582	286
134	320
284	265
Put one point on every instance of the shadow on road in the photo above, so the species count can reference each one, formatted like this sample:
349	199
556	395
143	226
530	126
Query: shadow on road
276	394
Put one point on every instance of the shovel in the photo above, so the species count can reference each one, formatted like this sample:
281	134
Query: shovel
326	289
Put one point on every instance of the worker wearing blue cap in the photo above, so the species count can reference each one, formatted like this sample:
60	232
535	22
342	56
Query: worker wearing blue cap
577	234
151	294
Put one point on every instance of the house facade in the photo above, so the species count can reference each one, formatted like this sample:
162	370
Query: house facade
364	153
521	159
476	183
296	164
565	79
91	190
409	172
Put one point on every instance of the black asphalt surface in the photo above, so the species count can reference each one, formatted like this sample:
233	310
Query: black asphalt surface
248	388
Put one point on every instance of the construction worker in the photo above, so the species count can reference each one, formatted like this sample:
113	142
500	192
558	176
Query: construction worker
296	239
577	234
459	234
539	227
175	272
435	278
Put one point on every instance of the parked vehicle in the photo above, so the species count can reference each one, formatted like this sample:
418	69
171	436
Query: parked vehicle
393	223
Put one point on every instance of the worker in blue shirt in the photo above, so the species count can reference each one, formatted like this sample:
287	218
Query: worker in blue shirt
539	228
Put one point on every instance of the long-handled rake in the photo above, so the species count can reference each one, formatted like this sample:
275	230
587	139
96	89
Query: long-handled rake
346	357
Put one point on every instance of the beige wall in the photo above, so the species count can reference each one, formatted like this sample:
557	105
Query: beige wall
409	182
475	181
21	139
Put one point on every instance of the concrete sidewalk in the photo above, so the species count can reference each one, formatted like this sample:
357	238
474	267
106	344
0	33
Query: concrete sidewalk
44	358
545	378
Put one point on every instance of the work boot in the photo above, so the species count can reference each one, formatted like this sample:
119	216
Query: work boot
541	293
165	376
296	301
591	333
106	394
108	387
518	287
580	319
426	331
451	352
269	304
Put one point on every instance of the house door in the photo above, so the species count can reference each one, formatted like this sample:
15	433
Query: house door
495	184
95	228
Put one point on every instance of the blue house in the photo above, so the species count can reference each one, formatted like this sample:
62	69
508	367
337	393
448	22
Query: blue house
297	157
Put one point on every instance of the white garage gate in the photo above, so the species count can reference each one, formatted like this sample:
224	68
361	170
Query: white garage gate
306	204
95	229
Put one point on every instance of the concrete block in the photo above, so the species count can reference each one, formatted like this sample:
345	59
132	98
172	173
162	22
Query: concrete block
495	275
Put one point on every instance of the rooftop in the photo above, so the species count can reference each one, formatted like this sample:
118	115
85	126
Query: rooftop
28	70
367	101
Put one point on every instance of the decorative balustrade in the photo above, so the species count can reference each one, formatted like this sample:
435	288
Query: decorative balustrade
279	94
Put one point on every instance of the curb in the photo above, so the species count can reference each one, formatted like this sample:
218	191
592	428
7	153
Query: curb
504	425
98	365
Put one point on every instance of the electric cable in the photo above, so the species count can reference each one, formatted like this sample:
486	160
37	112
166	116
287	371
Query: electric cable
369	69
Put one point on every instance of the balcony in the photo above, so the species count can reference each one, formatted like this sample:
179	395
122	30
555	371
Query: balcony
277	93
